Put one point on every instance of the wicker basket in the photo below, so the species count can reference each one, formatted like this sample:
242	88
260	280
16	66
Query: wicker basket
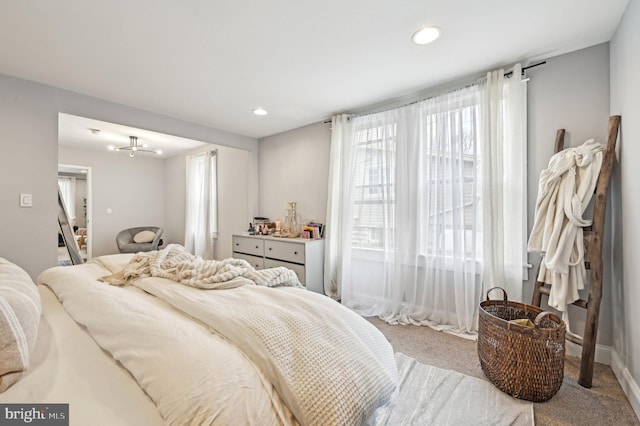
527	362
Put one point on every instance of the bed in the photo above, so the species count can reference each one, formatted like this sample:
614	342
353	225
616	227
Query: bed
156	351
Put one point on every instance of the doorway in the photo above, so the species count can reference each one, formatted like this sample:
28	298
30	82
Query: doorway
75	186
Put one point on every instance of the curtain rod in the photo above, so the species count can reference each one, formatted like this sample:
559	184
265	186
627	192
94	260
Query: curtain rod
507	74
417	101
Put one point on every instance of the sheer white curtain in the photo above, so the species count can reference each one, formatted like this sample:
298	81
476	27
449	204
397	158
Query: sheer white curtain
338	239
409	213
405	216
201	227
503	141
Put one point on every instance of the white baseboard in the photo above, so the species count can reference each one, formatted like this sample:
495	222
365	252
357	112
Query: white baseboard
603	353
628	384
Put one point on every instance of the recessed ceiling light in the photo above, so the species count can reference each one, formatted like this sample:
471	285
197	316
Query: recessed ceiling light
426	35
260	111
95	131
111	148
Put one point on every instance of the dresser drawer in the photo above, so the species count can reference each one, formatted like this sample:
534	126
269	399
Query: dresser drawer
245	245
298	269
305	257
255	261
290	252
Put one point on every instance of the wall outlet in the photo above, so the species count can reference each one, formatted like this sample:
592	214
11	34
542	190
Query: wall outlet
26	200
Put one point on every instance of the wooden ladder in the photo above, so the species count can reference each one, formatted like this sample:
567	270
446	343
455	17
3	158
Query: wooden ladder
594	260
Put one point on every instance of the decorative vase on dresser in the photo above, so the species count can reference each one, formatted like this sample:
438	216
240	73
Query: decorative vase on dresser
304	256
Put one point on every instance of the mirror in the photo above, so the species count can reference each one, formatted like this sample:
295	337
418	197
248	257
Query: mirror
67	233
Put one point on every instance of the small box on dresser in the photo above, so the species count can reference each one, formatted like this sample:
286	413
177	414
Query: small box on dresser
304	256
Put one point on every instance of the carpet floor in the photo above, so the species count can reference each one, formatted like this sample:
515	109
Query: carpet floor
604	404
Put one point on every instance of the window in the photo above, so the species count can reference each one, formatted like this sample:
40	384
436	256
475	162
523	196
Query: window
448	190
374	187
427	204
373	200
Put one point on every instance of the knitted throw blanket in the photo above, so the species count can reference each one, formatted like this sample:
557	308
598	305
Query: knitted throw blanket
175	263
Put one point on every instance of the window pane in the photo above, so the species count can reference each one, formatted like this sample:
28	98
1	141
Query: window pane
447	193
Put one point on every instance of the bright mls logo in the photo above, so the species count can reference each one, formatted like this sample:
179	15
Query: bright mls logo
34	414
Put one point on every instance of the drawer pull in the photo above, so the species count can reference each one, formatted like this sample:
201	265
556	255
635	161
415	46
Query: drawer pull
257	247
295	252
270	249
237	244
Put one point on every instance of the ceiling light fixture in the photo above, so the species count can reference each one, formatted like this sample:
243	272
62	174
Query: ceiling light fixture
260	111
133	147
426	35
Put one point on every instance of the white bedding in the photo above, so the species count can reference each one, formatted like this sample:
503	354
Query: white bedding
195	376
68	367
192	375
329	365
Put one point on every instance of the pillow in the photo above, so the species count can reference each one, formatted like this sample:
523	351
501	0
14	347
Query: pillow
20	309
144	237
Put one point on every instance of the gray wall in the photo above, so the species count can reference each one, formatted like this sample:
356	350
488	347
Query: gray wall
129	187
28	164
571	92
175	180
625	89
235	195
29	142
294	166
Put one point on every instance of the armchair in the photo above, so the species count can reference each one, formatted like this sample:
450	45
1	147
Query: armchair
141	238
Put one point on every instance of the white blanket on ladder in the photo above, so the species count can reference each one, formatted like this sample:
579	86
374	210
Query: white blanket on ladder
564	192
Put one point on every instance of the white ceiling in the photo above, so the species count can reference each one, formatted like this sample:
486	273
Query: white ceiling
79	132
211	61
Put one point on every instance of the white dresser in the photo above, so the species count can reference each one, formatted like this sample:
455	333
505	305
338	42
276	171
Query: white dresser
304	256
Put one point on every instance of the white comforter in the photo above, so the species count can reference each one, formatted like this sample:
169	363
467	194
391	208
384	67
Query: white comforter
337	372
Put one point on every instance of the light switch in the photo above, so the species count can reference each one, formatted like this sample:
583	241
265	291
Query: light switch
26	200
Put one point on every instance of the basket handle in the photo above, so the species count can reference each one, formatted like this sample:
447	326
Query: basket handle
504	297
539	318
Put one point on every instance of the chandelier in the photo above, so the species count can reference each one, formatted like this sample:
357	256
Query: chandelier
134	147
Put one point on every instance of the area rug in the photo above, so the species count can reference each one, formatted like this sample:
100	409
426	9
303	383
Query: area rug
433	396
